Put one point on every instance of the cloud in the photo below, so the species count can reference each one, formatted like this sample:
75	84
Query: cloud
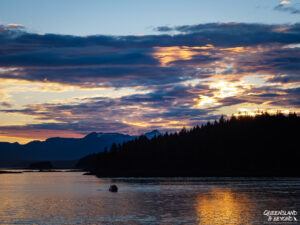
285	3
169	106
5	104
58	59
197	72
198	50
14	25
225	29
274	61
284	6
163	29
283	79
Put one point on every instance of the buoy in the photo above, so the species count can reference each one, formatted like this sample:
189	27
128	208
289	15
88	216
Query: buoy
113	188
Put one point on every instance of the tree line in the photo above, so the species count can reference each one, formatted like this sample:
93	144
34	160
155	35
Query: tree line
260	145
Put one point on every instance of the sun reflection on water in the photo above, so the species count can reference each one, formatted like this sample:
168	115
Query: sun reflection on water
223	206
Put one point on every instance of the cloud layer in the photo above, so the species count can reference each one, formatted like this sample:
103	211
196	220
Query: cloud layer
189	74
287	6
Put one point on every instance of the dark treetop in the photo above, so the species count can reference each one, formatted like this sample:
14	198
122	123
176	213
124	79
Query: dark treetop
263	145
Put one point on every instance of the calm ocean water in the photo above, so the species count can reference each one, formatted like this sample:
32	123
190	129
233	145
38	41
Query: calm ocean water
71	198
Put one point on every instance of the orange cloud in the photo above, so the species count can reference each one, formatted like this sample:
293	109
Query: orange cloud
169	54
285	2
239	49
281	29
14	25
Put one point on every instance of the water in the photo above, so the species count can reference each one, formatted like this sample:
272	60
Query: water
71	198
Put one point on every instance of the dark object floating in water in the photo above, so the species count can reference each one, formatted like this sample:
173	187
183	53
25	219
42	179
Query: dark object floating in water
113	188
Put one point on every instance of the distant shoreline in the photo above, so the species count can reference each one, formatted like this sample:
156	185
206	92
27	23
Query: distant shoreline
18	171
168	173
5	172
192	173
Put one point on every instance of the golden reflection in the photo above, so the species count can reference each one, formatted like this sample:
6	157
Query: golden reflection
223	206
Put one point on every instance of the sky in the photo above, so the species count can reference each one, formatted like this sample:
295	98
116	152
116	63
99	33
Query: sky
70	67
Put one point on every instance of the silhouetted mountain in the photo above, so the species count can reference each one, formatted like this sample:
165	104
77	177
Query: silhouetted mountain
264	145
57	148
152	134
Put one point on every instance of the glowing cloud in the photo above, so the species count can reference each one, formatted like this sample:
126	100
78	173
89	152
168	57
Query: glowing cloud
285	2
14	25
166	55
132	84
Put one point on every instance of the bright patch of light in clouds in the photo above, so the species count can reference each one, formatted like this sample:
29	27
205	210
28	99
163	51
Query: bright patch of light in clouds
285	2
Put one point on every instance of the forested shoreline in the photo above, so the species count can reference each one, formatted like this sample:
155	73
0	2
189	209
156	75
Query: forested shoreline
261	145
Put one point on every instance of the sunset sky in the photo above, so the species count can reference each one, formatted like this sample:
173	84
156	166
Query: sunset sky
71	67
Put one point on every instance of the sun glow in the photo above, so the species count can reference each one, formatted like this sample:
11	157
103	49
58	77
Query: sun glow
220	90
247	112
204	100
226	89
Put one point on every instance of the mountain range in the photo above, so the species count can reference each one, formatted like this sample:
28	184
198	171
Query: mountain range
62	149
